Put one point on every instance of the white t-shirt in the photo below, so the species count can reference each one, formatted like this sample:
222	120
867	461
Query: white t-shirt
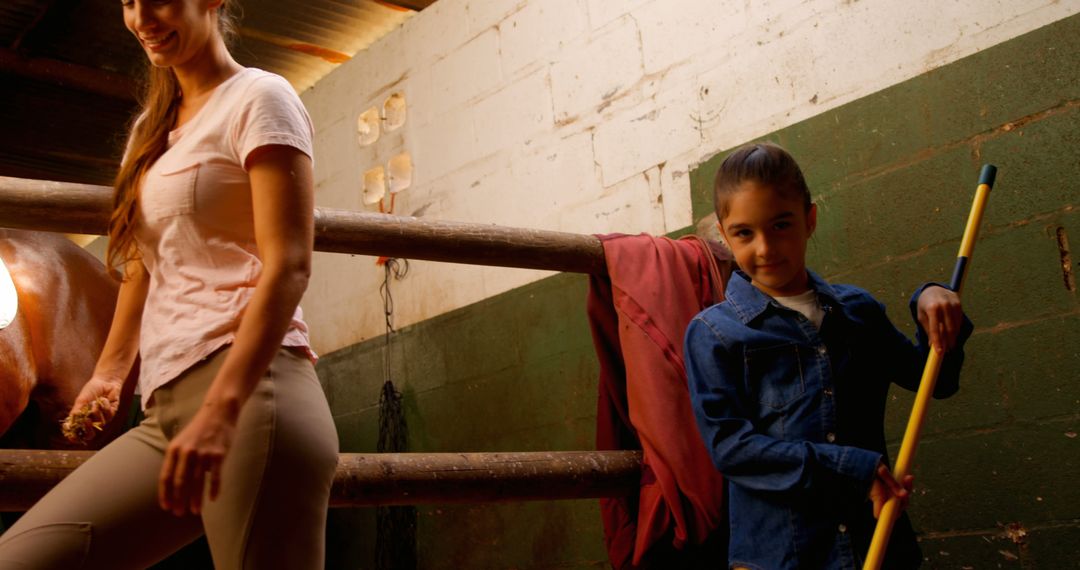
195	224
806	303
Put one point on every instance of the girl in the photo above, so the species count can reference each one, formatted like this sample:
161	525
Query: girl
788	377
213	225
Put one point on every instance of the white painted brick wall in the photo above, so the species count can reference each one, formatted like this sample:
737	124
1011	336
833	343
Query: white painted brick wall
515	114
468	72
442	145
602	12
485	14
588	115
675	189
595	71
419	97
442	28
550	180
538	29
381	65
638	140
632	206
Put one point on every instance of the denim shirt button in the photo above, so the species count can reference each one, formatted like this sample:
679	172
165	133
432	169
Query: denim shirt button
830	437
822	350
828	391
842	527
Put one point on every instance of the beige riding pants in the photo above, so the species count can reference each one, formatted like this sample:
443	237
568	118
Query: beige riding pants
275	485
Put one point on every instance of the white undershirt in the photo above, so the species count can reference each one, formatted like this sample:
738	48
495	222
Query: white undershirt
806	303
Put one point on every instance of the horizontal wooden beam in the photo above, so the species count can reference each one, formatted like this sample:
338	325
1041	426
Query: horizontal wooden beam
70	75
84	209
366	479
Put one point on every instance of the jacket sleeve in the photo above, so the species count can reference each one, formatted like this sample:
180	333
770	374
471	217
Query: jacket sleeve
746	457
905	360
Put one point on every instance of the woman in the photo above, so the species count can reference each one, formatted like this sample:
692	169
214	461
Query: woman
213	226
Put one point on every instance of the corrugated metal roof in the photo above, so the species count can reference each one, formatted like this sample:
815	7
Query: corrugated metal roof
305	40
66	67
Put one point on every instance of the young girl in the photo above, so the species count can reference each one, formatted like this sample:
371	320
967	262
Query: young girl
788	377
213	225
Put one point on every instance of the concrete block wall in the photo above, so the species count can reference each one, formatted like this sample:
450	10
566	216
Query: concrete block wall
588	115
895	109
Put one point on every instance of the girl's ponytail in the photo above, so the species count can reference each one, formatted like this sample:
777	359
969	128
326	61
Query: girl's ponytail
765	163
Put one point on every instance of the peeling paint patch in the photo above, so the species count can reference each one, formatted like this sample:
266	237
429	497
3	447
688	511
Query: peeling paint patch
650	116
1016	532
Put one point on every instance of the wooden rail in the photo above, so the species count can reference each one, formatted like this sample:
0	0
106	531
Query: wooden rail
365	479
84	209
362	479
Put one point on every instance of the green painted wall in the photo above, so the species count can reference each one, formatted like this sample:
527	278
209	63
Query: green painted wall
893	174
515	372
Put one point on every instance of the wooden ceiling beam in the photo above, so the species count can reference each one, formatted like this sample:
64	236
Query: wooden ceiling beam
414	5
43	10
68	75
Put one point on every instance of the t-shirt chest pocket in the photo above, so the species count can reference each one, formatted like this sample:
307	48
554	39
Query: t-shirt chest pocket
170	191
775	374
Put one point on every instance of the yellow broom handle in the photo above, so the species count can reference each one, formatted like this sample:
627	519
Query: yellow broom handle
929	378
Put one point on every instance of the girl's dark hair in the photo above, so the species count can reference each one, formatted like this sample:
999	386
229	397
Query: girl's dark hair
148	140
765	163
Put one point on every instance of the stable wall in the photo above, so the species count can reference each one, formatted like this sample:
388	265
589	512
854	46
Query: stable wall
893	165
588	115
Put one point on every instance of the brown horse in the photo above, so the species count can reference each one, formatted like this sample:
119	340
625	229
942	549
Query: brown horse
66	302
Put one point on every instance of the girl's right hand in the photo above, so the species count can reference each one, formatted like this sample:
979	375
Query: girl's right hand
95	406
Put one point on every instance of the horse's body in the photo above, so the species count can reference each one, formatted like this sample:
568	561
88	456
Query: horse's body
66	303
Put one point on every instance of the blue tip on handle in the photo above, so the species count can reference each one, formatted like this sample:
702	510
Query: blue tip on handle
989	172
958	273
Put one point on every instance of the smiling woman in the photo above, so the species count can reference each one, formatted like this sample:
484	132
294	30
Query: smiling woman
9	297
212	230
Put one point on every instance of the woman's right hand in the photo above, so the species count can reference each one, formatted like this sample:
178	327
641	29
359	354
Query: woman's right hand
95	406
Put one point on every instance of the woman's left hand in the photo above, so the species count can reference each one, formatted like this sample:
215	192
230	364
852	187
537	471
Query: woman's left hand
941	316
193	462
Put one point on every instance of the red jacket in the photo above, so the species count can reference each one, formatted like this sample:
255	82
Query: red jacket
638	314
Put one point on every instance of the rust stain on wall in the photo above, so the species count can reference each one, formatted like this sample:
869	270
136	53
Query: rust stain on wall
1015	532
1066	259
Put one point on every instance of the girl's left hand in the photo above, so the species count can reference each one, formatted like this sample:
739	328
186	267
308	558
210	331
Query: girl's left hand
193	460
941	316
886	487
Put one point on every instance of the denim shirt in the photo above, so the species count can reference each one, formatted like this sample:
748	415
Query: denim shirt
793	415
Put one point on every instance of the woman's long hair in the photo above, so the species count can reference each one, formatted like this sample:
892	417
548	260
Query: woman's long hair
159	100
